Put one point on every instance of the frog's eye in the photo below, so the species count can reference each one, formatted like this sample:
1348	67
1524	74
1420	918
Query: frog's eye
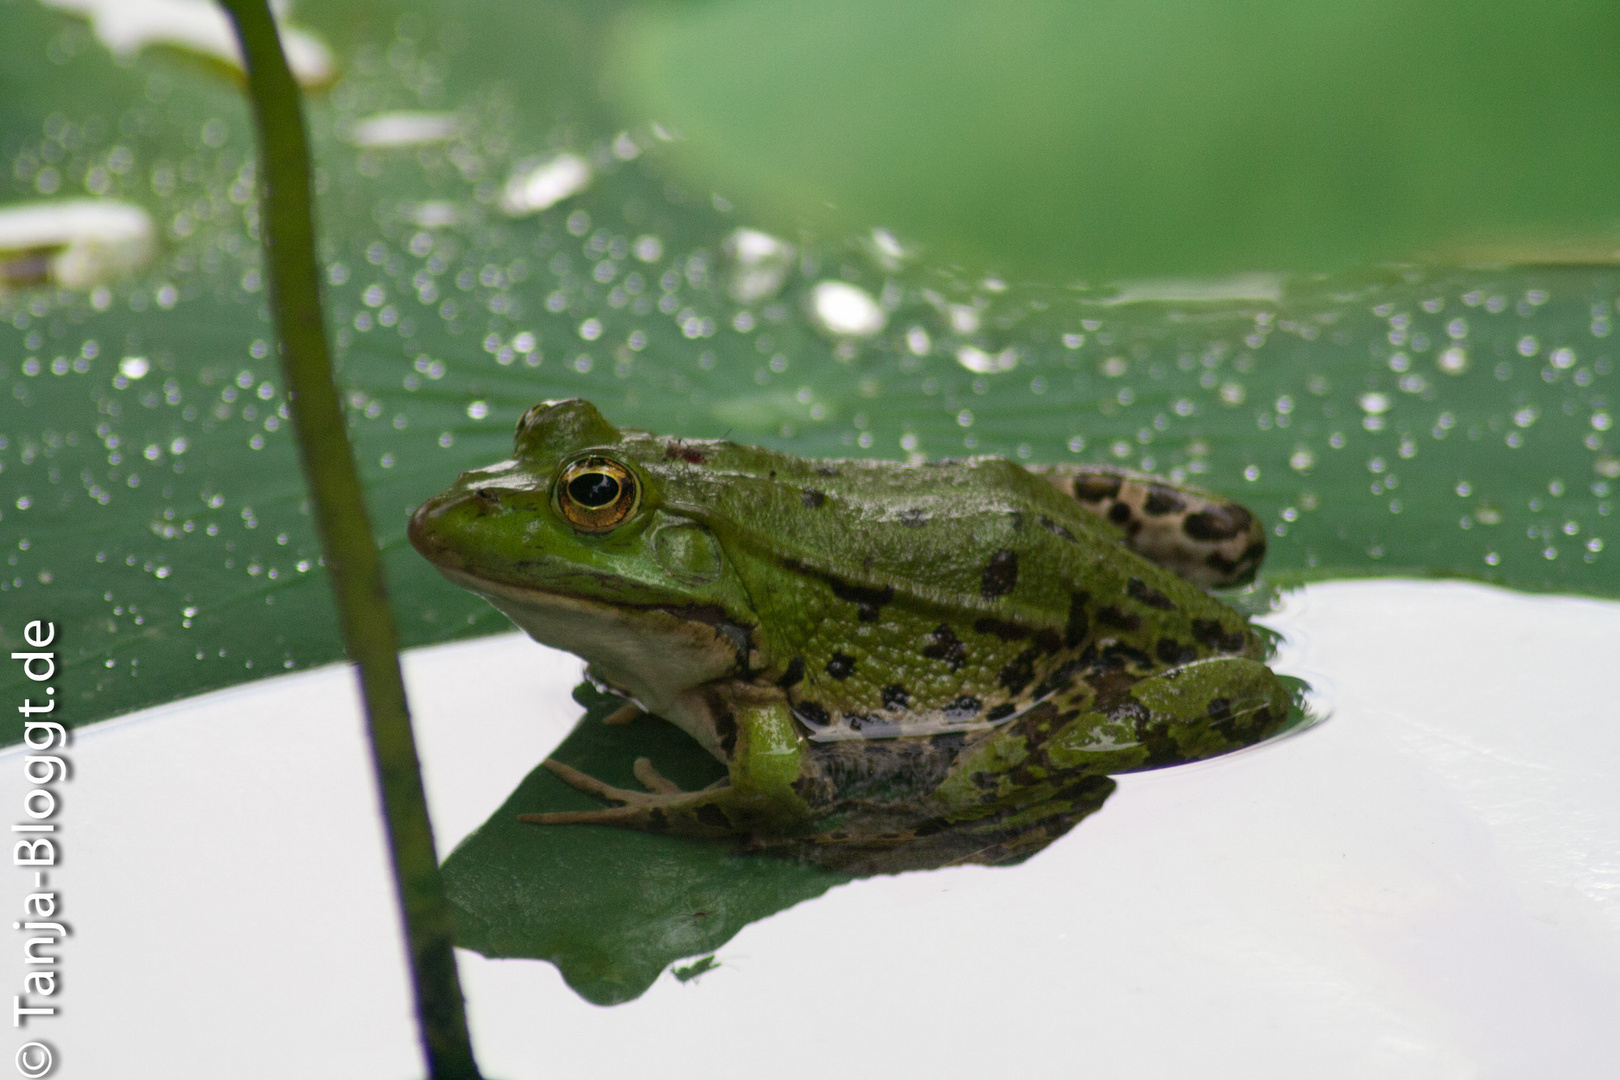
597	494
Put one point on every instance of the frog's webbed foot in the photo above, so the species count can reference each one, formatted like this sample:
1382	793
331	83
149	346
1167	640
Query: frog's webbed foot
663	807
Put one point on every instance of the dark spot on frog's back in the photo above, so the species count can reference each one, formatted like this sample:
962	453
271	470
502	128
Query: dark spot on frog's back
1143	593
841	666
1095	488
812	499
867	600
946	646
1079	625
793	675
1060	678
1218	523
962	708
1119	620
826	470
1213	635
896	697
1019	672
1120	655
1161	501
1175	652
1000	574
1001	628
1047	638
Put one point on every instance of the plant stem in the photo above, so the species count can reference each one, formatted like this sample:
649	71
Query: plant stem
346	538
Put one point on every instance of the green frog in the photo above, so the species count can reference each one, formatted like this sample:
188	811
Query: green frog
898	664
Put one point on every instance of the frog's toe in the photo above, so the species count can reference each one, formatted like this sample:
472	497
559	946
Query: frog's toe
652	779
628	713
617	815
687	813
664	807
590	785
649	813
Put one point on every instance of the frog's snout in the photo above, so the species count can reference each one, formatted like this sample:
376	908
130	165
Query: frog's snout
426	530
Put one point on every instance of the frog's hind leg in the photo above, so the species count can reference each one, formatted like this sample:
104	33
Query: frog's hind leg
663	807
1017	789
1191	712
1212	542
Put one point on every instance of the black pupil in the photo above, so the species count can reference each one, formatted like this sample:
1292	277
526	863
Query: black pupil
593	489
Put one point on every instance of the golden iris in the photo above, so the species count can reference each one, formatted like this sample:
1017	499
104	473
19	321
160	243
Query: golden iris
596	494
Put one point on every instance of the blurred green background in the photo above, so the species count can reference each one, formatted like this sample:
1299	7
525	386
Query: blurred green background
1242	245
1130	137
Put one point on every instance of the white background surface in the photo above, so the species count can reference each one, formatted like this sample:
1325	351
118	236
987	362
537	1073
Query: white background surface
1426	885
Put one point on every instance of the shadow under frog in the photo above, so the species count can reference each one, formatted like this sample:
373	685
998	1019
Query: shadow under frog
865	667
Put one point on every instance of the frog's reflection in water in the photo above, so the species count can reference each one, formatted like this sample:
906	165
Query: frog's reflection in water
613	908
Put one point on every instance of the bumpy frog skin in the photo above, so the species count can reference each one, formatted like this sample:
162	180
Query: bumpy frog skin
900	665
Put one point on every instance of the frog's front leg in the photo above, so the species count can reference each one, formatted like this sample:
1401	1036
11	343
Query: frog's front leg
758	795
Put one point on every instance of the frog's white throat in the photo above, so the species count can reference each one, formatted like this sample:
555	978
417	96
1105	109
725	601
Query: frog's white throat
656	657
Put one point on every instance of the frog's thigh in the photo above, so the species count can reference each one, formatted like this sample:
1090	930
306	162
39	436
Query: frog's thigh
1210	541
765	761
1189	713
1035	779
1004	799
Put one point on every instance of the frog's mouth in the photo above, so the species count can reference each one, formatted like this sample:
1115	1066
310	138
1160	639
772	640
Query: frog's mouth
713	645
656	655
